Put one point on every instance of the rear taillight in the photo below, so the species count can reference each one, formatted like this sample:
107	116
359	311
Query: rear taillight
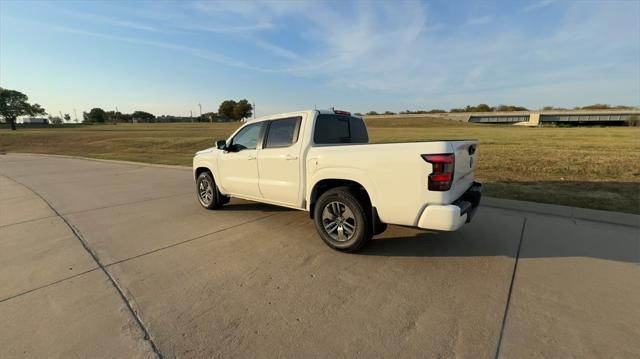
441	177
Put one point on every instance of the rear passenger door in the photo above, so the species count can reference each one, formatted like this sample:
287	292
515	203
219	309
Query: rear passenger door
279	161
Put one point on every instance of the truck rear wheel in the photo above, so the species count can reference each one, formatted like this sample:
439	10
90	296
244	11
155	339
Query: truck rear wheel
207	192
341	220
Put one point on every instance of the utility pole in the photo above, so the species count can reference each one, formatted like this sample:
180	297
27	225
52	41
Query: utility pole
75	114
115	114
191	115
199	105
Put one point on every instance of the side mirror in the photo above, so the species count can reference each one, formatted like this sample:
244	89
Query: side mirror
221	145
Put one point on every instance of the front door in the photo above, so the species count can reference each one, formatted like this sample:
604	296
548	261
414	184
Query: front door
279	162
238	165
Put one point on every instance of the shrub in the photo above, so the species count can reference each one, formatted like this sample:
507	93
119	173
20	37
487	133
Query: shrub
633	121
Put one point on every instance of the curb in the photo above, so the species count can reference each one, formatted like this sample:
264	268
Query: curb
158	165
588	214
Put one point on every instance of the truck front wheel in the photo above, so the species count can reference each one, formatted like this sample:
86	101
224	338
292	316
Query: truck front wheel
341	220
207	192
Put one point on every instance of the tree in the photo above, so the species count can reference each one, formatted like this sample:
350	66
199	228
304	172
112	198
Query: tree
226	108
483	107
55	120
14	104
96	115
549	108
507	108
67	118
242	109
389	113
143	116
235	110
125	117
597	106
371	113
113	116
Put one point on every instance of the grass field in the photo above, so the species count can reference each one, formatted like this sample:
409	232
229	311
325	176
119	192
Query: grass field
592	167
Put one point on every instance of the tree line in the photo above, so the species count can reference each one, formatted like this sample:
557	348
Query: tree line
483	107
229	110
14	104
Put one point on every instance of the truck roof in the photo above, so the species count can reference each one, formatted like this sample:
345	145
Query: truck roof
293	113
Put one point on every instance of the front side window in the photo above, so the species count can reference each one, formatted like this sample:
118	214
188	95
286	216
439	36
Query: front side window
335	129
247	138
283	133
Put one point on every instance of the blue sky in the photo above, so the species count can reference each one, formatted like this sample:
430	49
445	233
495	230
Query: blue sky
166	57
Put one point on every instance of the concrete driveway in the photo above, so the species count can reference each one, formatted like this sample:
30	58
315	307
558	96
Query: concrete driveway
102	259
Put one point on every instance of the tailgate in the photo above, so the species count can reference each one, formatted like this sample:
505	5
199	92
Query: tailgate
466	153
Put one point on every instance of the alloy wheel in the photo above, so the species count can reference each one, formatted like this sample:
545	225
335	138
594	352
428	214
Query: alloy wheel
339	221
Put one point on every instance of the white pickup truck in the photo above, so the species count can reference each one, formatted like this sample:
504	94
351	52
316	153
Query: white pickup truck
320	161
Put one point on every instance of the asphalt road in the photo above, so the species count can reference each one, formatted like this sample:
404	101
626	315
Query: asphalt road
105	259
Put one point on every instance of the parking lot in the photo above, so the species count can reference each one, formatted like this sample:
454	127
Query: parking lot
105	259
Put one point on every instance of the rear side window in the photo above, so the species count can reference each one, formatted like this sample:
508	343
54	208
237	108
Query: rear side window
334	129
283	133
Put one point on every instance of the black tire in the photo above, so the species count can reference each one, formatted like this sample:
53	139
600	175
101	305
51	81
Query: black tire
207	192
352	224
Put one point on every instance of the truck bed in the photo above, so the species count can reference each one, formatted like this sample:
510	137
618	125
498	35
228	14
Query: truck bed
396	173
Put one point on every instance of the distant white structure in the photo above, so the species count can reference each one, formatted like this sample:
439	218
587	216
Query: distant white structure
35	121
533	118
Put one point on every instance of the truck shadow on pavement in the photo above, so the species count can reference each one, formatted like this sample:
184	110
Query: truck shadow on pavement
241	206
497	232
586	242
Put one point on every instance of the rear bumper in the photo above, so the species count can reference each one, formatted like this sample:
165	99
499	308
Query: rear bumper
453	216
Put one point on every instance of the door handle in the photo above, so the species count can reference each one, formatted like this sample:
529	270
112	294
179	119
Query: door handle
290	158
251	157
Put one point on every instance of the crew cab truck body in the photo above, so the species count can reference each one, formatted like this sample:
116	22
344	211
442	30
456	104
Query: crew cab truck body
320	161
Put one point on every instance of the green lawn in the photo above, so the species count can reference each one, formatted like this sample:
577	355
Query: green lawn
593	167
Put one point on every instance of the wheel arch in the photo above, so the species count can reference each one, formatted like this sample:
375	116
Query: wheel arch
327	184
203	168
199	170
